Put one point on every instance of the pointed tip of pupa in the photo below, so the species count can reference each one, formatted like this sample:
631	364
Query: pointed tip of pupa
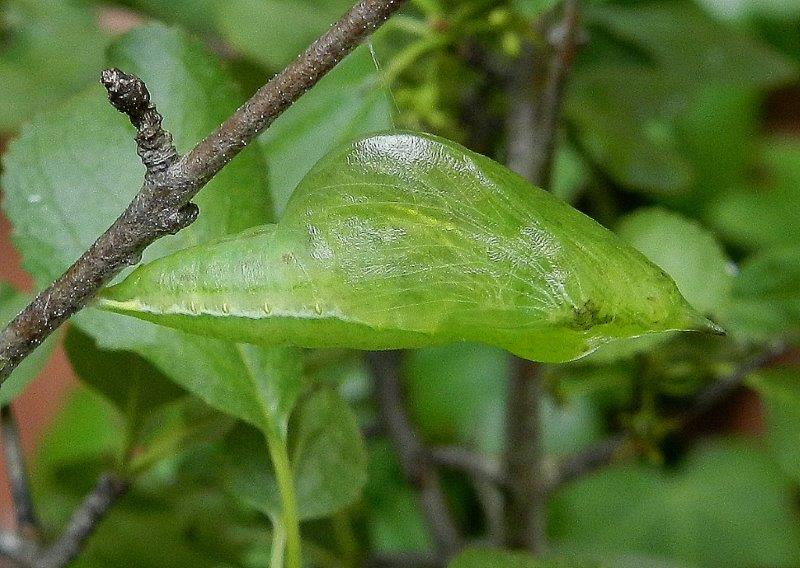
704	325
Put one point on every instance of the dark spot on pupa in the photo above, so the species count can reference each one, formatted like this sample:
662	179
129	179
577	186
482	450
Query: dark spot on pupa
588	316
287	257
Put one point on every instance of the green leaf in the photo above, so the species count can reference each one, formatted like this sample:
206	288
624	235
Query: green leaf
718	134
780	396
532	8
74	169
570	174
11	302
483	558
327	457
649	64
132	384
686	251
478	374
727	505
406	240
177	427
80	442
476	417
764	214
160	419
293	25
744	10
477	558
347	103
683	42
765	300
195	15
50	50
275	383
626	129
395	522
164	509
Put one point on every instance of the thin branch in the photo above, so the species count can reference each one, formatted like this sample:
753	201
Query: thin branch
24	509
162	205
716	393
492	501
589	460
564	38
524	466
414	458
83	523
468	462
535	92
17	549
600	455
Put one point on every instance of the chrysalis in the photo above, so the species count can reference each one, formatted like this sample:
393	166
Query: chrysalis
404	240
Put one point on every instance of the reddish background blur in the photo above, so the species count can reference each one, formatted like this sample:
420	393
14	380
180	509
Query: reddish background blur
44	396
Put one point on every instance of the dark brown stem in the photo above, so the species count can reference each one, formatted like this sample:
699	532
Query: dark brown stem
589	460
162	206
535	92
525	507
27	522
468	462
83	523
414	459
129	95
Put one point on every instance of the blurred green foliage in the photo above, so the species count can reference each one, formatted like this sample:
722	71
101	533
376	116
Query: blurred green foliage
670	137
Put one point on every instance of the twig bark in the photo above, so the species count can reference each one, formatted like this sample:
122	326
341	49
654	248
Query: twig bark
468	462
588	460
84	522
525	506
27	522
414	458
535	91
163	204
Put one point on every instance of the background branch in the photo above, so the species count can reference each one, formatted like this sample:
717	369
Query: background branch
27	522
468	462
414	458
162	205
534	91
84	522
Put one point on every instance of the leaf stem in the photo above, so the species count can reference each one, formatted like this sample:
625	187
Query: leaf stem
290	522
278	544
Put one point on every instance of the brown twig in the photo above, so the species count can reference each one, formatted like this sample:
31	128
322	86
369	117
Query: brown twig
535	92
163	205
588	460
27	552
27	522
84	522
414	458
468	462
525	507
